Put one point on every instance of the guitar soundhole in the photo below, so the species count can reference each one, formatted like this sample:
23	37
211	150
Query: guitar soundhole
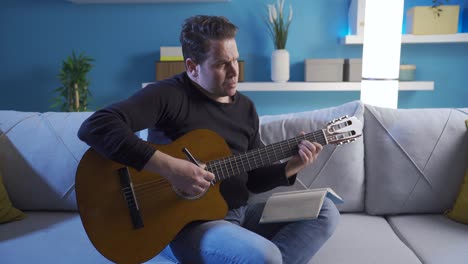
188	196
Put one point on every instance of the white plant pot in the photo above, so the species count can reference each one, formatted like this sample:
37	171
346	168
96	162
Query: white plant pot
280	65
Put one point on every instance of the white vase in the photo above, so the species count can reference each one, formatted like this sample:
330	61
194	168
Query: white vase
280	65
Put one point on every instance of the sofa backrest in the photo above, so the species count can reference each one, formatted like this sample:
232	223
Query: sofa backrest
413	163
39	154
338	167
415	159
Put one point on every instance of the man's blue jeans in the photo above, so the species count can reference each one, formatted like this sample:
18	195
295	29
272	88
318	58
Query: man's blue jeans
239	238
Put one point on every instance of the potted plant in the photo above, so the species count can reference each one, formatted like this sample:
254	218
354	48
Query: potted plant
438	18
278	26
74	94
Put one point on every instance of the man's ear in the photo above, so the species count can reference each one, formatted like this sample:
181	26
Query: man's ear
192	68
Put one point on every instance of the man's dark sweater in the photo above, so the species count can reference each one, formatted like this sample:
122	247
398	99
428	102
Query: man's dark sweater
176	106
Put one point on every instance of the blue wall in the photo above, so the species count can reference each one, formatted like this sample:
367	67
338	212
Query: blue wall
125	39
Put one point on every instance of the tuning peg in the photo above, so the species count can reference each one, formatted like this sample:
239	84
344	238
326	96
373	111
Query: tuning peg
346	141
334	121
337	119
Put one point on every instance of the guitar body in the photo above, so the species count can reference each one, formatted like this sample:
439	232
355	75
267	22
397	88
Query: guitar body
105	213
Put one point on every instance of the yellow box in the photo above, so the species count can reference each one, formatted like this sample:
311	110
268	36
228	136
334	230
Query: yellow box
423	20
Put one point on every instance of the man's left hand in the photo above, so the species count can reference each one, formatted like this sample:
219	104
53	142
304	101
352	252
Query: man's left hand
308	153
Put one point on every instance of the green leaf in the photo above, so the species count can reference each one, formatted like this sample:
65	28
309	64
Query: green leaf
74	70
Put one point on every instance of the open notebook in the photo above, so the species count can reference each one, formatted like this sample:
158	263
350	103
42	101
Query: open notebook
297	205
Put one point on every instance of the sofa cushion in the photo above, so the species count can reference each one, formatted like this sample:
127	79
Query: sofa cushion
40	153
415	159
51	237
433	238
8	212
338	167
364	239
459	212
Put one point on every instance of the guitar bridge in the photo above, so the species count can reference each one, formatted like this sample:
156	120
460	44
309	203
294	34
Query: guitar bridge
129	195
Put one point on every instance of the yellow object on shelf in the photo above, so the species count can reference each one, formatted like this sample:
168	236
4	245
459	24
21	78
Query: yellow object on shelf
424	20
172	58
171	53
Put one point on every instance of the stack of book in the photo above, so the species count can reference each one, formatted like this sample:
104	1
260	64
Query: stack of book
171	62
171	54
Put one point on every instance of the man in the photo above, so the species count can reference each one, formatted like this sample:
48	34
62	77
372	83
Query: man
205	96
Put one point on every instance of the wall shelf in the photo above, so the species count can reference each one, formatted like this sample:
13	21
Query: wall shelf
414	39
140	1
325	86
320	86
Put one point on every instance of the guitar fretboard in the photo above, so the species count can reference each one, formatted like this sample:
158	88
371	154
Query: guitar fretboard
261	157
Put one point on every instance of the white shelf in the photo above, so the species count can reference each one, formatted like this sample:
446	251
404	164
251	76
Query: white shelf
140	1
414	39
320	86
325	86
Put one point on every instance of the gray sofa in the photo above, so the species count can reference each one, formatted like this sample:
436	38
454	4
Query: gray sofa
397	181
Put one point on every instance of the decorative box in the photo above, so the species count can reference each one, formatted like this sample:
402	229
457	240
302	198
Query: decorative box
425	20
352	70
323	70
407	72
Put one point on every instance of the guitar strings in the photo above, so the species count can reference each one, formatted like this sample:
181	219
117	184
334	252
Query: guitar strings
149	185
237	161
144	194
278	150
147	192
148	189
242	160
140	185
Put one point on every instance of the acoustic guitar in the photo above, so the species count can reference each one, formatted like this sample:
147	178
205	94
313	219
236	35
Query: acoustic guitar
130	216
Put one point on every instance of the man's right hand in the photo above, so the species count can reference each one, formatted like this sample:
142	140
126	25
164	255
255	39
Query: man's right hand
185	176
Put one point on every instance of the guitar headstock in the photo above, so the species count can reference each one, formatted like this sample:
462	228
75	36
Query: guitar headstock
343	130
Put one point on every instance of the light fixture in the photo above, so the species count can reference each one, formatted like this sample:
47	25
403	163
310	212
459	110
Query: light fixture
381	52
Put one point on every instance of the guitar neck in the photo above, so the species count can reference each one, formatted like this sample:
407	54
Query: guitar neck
261	157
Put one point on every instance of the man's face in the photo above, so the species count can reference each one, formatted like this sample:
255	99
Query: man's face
219	73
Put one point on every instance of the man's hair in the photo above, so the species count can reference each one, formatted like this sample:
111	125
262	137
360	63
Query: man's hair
198	31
